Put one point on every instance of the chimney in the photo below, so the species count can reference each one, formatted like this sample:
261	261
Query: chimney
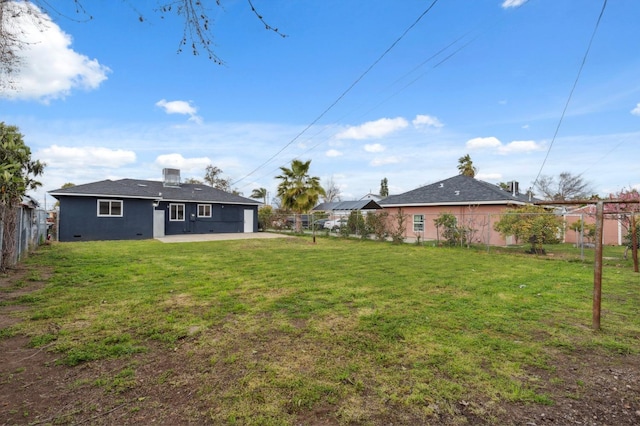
514	188
171	177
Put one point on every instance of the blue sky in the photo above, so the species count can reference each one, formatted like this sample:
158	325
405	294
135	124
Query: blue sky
110	98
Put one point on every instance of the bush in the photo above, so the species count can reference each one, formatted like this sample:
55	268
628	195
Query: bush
533	224
377	224
398	232
265	215
449	226
356	223
588	229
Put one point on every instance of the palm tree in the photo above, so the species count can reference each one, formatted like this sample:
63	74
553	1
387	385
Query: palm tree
260	193
465	166
298	191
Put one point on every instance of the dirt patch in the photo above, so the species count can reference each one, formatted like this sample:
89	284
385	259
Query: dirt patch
587	388
170	386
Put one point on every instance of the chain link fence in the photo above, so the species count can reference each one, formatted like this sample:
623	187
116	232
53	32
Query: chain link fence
570	235
29	231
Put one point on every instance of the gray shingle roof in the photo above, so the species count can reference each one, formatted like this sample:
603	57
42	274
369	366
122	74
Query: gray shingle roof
454	191
155	190
348	205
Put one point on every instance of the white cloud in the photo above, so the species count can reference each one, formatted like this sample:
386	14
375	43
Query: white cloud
89	156
375	147
636	110
513	3
50	67
480	143
374	129
492	142
384	160
333	153
180	107
426	120
519	146
177	161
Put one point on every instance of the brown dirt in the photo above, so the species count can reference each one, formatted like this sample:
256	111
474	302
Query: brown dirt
587	388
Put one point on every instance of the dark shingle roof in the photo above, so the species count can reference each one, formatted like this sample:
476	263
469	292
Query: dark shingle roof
348	205
456	190
156	190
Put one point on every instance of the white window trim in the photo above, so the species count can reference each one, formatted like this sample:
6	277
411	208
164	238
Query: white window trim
111	202
418	223
183	212
209	208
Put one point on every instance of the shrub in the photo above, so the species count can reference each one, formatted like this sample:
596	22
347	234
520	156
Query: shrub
533	224
265	215
356	223
398	232
377	224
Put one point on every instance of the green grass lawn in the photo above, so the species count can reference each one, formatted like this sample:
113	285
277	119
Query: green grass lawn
280	327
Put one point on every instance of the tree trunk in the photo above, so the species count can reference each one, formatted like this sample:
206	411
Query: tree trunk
8	254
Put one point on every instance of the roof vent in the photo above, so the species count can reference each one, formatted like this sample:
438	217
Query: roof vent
513	187
171	177
441	185
457	192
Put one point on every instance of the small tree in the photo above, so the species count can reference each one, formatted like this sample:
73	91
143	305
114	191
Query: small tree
356	223
265	216
533	224
588	230
399	229
377	224
628	239
298	191
453	233
626	213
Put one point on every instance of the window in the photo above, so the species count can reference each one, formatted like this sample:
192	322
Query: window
418	223
204	210
176	212
109	208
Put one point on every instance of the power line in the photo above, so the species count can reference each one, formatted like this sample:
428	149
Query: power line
406	31
575	83
431	58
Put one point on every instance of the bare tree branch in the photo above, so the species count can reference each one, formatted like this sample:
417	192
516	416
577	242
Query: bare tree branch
197	34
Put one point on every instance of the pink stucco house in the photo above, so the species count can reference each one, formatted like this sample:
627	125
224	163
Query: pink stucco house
614	228
476	204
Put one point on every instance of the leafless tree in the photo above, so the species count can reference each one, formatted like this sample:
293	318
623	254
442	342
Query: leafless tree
565	187
11	41
197	34
331	190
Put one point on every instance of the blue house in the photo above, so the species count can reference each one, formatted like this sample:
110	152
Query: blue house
130	209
